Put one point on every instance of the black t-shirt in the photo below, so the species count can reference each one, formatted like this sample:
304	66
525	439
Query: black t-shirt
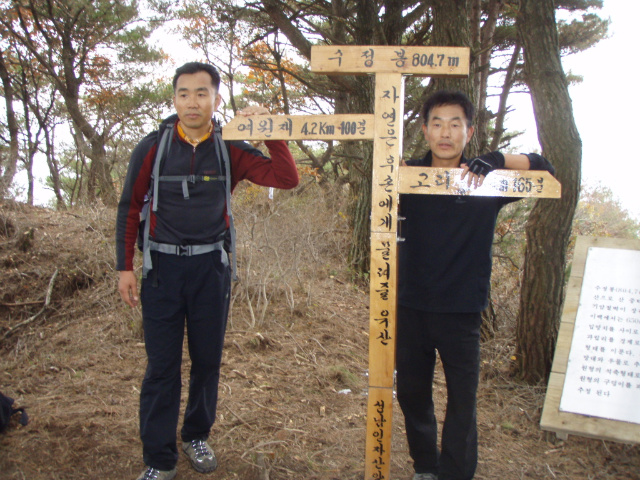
445	260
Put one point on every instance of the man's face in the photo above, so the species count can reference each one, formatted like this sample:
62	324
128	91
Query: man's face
447	134
195	100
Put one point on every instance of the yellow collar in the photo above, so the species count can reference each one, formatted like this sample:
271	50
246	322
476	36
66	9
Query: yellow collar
193	142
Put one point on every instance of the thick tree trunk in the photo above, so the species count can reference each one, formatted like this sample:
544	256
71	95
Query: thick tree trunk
453	28
360	163
549	225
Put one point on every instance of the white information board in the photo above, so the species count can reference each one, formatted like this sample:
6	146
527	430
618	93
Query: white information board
603	369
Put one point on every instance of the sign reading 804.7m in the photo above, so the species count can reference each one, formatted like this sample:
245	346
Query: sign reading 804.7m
431	61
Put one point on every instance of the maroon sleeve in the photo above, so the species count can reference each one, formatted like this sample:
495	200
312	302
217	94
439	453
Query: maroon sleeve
249	163
131	202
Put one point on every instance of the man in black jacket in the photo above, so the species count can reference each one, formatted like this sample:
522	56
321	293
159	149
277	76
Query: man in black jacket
444	274
186	271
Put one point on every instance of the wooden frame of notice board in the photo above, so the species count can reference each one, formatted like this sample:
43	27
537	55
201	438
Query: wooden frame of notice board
613	335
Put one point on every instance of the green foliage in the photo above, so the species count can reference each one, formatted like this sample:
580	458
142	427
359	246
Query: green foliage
133	48
573	5
95	57
583	33
600	214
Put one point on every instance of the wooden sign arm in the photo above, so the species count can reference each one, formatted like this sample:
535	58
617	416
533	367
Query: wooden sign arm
503	183
300	127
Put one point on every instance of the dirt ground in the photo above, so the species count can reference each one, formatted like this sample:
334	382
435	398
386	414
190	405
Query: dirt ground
293	385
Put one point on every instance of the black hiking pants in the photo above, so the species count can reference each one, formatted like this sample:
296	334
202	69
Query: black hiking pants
456	337
192	290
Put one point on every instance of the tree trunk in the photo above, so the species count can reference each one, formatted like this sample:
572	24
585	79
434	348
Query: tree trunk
9	166
549	225
369	30
452	28
28	166
482	72
54	169
360	167
31	142
501	115
99	184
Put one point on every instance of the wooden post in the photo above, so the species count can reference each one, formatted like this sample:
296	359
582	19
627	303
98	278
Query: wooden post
387	153
385	127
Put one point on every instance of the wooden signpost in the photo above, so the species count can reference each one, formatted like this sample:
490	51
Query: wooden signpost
389	64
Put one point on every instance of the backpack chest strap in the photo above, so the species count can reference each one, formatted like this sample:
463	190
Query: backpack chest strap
186	179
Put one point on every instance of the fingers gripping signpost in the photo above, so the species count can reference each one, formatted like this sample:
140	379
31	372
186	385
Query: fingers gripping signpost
389	64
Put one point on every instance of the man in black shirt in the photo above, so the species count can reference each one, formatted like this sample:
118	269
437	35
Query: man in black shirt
444	275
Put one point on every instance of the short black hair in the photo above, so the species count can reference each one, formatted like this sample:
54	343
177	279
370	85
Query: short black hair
448	97
195	67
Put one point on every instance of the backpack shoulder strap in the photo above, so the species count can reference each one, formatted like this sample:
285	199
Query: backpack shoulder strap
223	154
155	175
153	194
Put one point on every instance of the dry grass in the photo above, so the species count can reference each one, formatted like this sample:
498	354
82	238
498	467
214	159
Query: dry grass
292	393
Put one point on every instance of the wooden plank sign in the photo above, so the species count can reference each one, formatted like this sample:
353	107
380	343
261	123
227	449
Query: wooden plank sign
501	183
300	127
421	61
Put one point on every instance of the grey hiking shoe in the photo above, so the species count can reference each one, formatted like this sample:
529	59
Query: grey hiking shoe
425	476
155	474
201	455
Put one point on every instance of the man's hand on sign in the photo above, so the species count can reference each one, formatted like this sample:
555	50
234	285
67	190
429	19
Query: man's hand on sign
479	167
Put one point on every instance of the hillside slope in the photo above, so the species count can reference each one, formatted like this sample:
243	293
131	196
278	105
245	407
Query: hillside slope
292	393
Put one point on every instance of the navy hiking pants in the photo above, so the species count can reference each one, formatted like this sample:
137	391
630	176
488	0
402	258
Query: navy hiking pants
456	337
181	289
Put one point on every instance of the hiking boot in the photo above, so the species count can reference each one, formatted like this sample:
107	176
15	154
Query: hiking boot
201	455
425	476
155	474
